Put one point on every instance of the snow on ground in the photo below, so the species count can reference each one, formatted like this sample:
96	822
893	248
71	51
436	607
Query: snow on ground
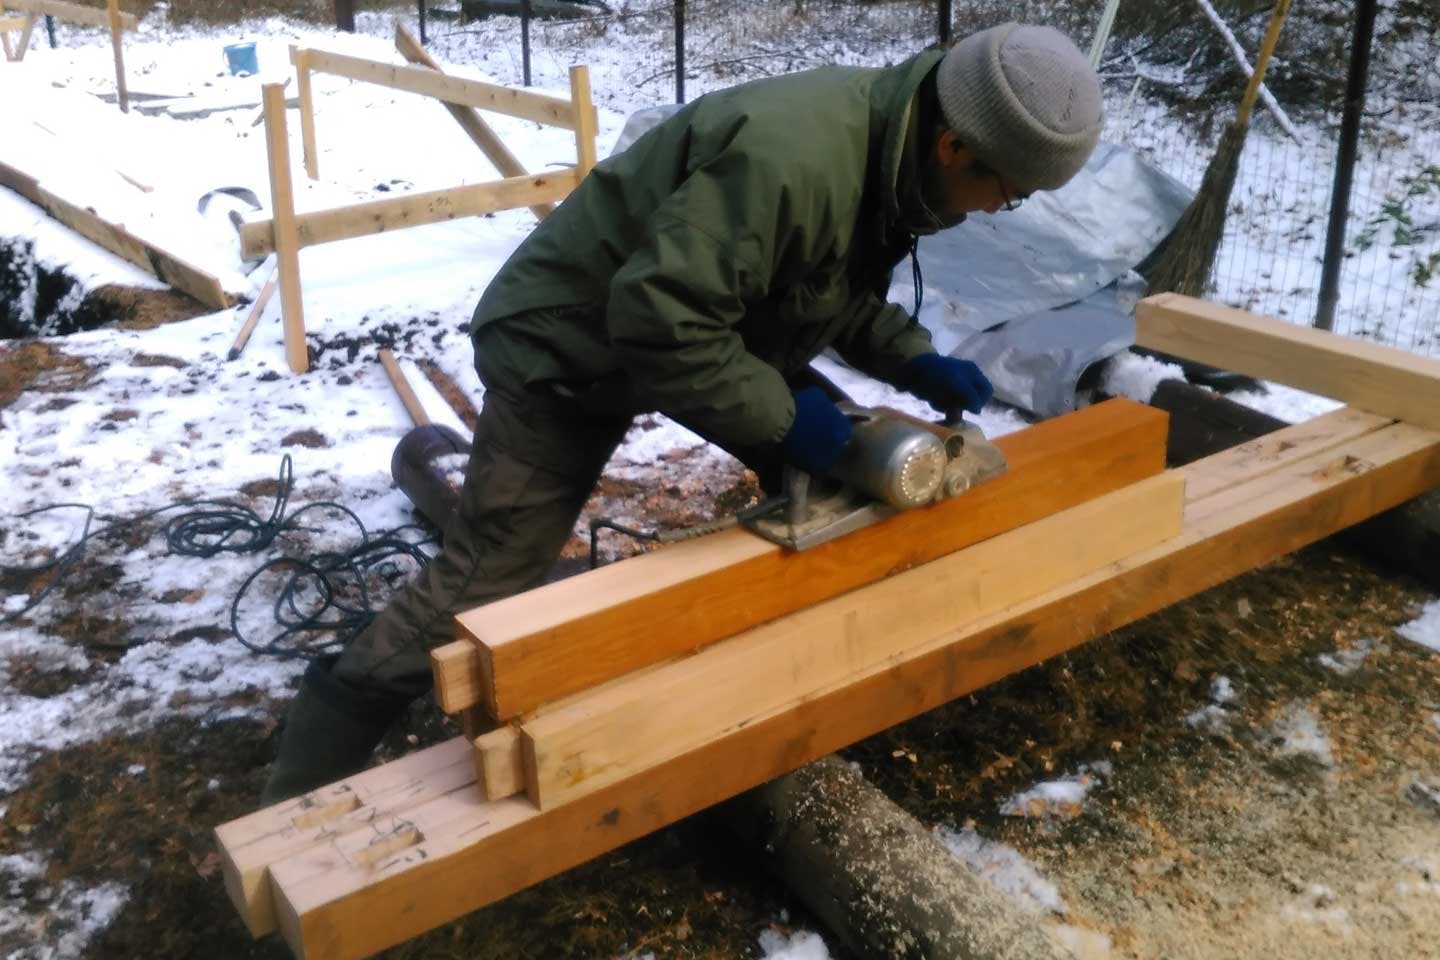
1005	868
73	914
803	945
1424	629
1214	716
1063	798
1296	732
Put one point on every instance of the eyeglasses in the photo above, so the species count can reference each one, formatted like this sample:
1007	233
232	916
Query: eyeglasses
1010	201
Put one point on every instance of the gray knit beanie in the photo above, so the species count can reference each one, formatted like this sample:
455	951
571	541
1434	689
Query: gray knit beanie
1026	100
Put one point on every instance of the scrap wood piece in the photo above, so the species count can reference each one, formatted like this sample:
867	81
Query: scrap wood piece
633	725
257	308
164	265
73	12
568	636
1380	379
469	119
412	403
343	907
251	843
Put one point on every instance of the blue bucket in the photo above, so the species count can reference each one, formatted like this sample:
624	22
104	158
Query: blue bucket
241	59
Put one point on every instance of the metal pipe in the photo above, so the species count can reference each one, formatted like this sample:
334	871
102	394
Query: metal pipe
421	10
1345	164
679	51
525	40
946	18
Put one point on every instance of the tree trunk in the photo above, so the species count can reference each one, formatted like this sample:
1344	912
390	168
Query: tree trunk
877	878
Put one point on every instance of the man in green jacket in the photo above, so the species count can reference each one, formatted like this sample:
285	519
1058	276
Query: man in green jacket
697	274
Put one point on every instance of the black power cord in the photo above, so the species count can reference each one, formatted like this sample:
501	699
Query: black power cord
323	603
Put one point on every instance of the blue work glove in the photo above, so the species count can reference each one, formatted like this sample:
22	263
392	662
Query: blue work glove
819	434
946	383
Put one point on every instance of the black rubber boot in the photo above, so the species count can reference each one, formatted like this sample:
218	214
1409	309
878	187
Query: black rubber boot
330	732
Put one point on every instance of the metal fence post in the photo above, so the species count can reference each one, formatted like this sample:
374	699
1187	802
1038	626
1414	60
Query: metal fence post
345	15
420	8
946	17
1345	165
679	51
525	41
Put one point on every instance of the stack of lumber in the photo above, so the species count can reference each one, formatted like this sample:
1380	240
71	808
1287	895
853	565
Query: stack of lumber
643	692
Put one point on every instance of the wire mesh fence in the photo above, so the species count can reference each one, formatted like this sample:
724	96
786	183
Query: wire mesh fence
1270	259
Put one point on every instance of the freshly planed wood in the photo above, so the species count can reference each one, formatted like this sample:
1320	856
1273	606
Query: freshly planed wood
250	844
301	60
1379	379
412	403
585	121
524	104
336	905
499	769
283	231
606	737
257	237
470	121
457	672
26	31
556	639
164	265
73	12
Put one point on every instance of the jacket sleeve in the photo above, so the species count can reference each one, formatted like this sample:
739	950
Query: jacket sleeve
676	302
880	337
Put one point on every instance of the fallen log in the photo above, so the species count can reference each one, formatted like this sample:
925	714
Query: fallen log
876	876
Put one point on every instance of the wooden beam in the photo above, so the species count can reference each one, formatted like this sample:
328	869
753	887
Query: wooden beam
284	232
606	737
569	636
301	60
585	127
250	844
72	12
1365	375
22	45
524	104
499	765
164	265
470	121
414	210
117	48
463	853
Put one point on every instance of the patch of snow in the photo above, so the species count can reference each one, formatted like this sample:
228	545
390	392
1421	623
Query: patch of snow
1317	905
1347	661
70	917
1082	942
135	769
1005	869
1286	403
802	945
1131	375
1297	733
1214	717
213	783
1063	798
1425	629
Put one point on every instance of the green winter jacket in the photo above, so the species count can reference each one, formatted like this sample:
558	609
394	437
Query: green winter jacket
719	254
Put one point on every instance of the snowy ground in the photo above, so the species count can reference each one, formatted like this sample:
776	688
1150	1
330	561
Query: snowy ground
161	417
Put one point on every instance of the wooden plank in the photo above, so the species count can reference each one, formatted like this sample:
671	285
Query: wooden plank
5	43
284	231
604	738
117	48
585	127
470	121
164	265
301	59
412	403
257	308
334	905
1379	379
250	844
499	766
568	636
524	104
73	12
413	210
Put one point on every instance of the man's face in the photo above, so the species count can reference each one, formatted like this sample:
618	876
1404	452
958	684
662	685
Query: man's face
958	183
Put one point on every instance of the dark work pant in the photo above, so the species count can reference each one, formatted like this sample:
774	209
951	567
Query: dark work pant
534	461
